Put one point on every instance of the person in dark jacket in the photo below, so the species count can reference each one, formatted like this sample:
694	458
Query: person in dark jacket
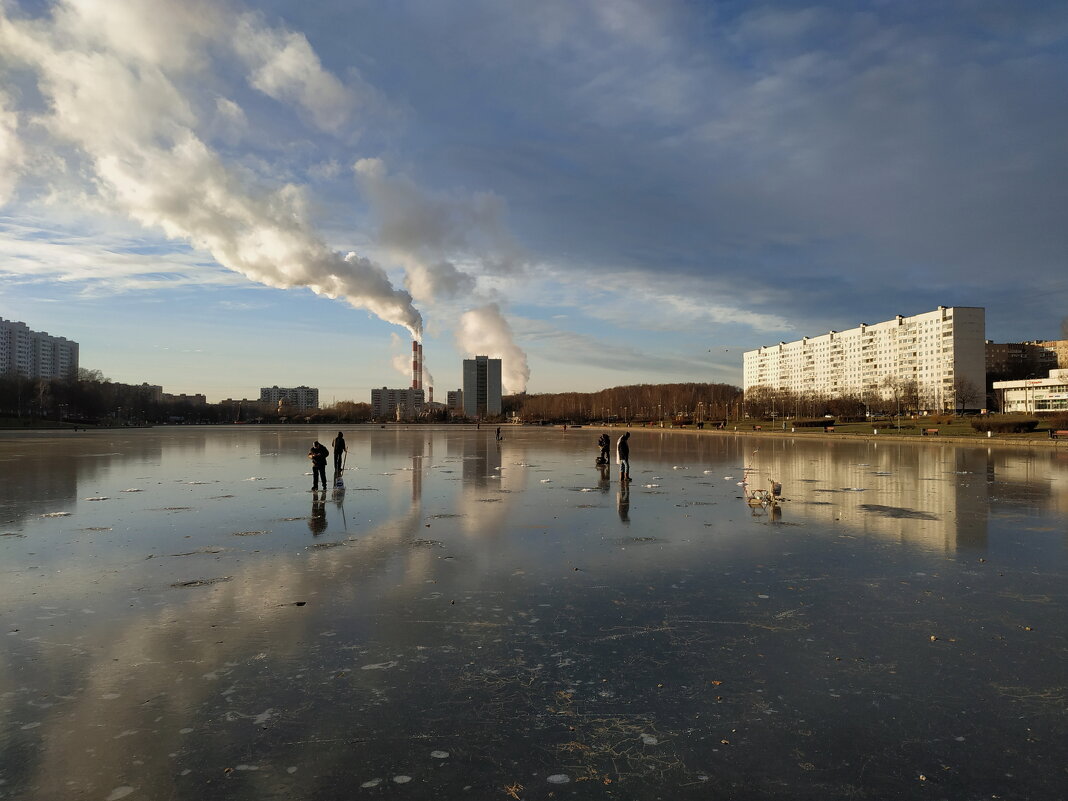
318	454
604	442
623	457
339	450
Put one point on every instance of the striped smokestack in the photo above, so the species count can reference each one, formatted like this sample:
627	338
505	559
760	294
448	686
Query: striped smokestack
415	365
420	366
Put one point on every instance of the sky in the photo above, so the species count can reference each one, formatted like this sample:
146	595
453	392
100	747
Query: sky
218	196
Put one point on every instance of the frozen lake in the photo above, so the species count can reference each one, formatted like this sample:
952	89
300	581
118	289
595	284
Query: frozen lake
183	619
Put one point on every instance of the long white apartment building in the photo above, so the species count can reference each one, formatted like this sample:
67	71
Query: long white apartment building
934	349
36	354
297	398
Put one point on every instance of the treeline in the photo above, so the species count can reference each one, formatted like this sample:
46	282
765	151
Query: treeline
637	403
93	399
891	397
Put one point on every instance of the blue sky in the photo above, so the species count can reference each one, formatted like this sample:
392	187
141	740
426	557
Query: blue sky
598	192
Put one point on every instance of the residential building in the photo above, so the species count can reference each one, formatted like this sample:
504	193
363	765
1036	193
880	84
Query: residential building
936	356
455	400
1032	395
405	403
1059	348
36	354
294	398
482	387
1011	361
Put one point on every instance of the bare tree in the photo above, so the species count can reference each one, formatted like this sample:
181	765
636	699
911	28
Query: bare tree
965	393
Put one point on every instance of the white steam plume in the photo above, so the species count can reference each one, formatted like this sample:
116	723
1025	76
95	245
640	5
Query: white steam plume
429	233
484	332
112	75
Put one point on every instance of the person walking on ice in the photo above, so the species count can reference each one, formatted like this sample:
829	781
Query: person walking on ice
623	457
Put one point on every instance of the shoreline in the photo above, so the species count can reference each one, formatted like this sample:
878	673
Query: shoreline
1040	442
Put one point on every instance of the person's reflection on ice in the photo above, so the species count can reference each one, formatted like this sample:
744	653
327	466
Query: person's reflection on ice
623	502
605	482
317	521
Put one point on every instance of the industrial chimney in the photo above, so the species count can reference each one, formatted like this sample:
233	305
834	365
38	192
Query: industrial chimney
417	365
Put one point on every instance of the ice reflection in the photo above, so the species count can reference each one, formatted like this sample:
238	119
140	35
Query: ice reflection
450	620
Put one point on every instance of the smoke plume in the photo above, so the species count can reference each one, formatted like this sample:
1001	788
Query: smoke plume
431	234
484	332
117	79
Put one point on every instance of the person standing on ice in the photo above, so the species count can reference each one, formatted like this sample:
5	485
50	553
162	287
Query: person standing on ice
318	454
623	457
339	450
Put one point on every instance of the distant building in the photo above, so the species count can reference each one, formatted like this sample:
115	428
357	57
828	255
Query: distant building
35	354
196	400
295	398
482	387
1059	348
389	402
1012	361
455	400
1033	395
930	352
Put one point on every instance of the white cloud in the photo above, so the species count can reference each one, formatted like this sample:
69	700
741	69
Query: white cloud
11	151
284	66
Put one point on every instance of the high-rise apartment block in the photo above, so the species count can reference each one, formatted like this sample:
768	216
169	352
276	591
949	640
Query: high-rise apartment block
296	398
1011	361
35	354
482	387
389	402
933	353
455	399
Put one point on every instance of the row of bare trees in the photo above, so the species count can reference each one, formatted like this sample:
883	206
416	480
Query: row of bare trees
636	403
891	397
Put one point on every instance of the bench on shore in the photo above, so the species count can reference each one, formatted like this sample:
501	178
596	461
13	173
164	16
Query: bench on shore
1058	434
828	429
929	432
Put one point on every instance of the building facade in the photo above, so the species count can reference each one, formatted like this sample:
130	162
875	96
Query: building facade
294	398
35	354
938	356
1032	395
1013	361
482	387
408	403
455	399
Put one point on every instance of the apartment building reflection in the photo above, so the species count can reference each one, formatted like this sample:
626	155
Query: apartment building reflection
933	496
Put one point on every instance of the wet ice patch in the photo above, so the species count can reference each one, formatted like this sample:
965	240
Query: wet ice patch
559	778
261	478
439	754
120	792
132	489
98	498
380	665
402	779
648	739
56	514
371	783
